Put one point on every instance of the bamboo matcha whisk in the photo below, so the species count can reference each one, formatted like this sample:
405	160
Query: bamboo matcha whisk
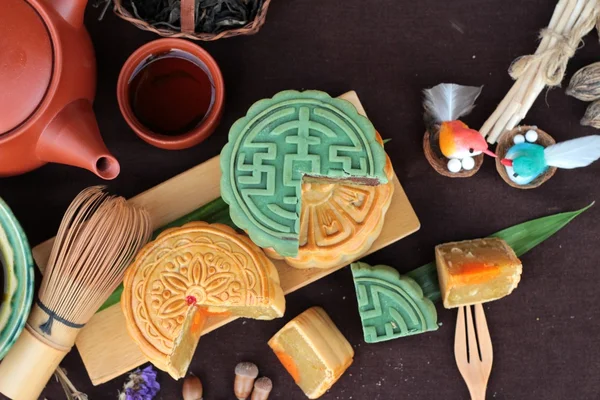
98	237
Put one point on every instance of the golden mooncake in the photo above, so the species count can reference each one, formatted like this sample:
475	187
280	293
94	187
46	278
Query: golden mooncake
188	274
313	351
339	221
476	271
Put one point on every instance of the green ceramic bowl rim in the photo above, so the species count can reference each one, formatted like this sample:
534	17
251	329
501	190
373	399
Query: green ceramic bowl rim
24	270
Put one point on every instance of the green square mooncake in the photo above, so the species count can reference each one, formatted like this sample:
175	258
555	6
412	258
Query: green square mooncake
281	141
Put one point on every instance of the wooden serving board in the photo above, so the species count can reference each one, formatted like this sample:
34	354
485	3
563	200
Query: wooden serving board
104	344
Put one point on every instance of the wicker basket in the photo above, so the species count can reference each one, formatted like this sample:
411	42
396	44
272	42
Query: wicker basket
188	23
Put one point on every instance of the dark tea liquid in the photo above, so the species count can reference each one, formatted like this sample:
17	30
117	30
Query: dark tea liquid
171	95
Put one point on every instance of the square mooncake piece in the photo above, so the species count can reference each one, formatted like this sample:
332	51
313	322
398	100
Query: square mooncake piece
313	351
476	271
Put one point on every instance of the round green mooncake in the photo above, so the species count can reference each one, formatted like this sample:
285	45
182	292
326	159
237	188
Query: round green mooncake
279	142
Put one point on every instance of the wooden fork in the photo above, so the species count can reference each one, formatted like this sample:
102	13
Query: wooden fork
474	354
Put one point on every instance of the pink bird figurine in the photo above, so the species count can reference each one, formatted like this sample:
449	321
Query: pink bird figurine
444	105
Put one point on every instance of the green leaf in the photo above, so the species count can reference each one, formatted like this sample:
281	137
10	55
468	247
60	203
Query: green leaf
386	140
426	277
525	236
114	298
213	212
521	238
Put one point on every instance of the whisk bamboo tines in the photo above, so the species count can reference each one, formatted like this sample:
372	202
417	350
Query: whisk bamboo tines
98	237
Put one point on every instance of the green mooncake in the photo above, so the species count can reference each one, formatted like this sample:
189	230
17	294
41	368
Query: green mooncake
281	141
391	305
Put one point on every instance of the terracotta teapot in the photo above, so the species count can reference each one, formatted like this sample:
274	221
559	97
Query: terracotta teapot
47	84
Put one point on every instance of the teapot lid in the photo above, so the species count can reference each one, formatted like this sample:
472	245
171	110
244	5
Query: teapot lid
26	59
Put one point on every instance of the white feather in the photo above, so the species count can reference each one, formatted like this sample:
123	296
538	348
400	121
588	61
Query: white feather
449	101
574	153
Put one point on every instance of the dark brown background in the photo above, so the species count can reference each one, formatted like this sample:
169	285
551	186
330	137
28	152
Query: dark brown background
546	335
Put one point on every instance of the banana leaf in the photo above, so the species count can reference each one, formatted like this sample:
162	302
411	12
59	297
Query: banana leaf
521	238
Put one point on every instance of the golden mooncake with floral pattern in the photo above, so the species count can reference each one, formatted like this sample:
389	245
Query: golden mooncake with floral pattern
187	274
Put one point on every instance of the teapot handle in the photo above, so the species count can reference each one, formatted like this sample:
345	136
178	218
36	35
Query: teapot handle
188	16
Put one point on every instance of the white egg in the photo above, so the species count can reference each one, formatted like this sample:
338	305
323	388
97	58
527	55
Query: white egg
531	136
468	163
519	139
454	165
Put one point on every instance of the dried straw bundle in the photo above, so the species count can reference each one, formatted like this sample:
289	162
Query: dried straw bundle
97	238
570	22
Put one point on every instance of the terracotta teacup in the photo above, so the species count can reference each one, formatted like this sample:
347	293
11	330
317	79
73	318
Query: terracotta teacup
137	98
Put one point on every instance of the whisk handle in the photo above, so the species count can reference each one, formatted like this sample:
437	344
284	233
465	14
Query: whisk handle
28	367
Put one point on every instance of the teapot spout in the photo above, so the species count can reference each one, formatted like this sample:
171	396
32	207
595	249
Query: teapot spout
73	138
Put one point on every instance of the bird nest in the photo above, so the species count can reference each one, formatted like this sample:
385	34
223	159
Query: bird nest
440	163
507	141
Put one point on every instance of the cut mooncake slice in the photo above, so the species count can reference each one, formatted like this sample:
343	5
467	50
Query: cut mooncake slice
313	351
476	271
390	305
282	141
188	274
339	222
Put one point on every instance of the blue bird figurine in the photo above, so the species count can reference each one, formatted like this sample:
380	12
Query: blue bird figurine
526	161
